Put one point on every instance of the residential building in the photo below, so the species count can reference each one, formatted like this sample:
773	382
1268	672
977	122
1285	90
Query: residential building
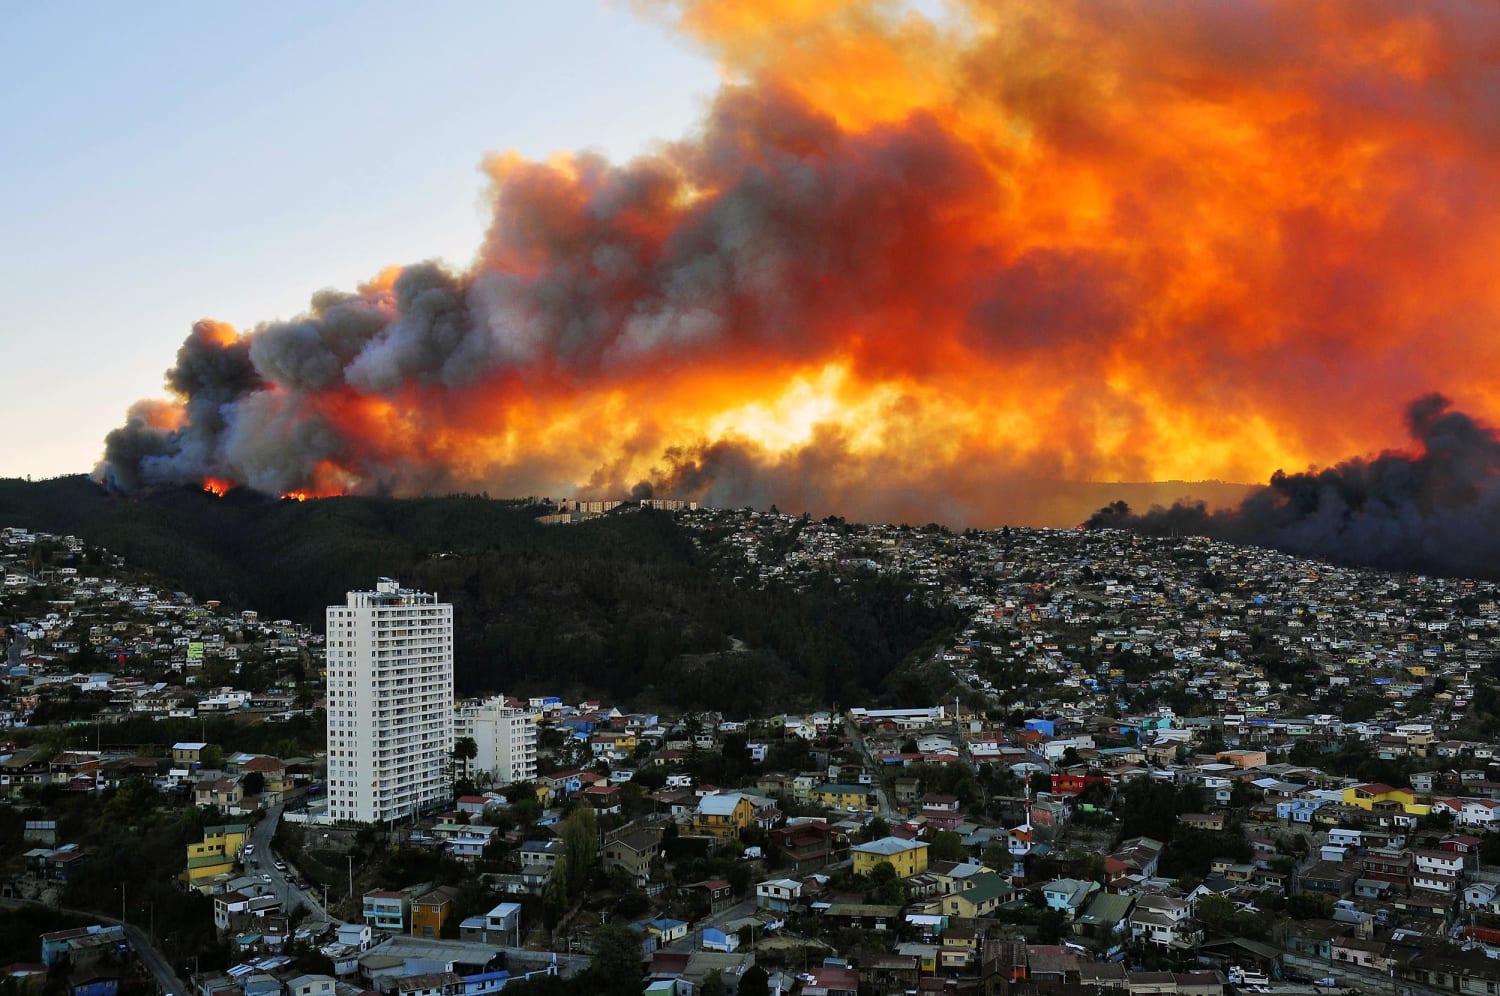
722	815
429	912
908	857
505	737
390	703
386	910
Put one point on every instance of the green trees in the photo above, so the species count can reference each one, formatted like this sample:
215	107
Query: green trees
946	845
464	751
884	887
580	835
616	968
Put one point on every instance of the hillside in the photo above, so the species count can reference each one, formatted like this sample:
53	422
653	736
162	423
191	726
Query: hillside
624	606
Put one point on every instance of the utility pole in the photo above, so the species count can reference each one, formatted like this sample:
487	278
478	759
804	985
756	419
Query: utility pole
351	875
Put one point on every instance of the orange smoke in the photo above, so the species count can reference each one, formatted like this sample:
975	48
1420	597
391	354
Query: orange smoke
911	264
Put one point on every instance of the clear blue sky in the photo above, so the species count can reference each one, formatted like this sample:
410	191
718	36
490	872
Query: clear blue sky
168	161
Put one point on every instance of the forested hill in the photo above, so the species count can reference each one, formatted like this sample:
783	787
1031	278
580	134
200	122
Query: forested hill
623	606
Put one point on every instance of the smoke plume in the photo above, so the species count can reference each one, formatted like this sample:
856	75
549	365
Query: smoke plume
911	265
1437	510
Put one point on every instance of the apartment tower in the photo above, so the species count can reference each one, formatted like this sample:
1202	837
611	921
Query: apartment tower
390	703
505	738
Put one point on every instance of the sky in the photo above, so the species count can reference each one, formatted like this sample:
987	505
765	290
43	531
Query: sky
170	161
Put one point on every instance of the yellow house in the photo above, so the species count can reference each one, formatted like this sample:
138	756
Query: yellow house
908	857
722	815
1374	794
981	895
217	854
845	797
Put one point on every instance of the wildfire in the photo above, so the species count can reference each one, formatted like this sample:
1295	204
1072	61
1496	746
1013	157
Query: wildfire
295	496
912	264
217	488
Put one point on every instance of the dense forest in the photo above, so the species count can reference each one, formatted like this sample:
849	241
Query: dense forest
624	606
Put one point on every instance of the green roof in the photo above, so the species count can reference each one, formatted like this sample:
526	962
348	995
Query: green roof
208	860
987	886
844	789
1107	908
228	828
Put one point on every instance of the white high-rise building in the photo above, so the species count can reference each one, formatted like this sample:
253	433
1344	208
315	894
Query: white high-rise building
390	703
505	737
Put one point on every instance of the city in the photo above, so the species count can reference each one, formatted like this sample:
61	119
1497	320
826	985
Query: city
1144	765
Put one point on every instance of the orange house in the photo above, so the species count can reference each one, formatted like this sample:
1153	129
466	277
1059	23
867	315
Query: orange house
430	912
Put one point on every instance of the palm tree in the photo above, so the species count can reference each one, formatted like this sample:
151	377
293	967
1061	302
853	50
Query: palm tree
464	751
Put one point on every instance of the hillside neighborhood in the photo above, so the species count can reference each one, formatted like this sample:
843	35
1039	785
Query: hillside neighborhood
1137	765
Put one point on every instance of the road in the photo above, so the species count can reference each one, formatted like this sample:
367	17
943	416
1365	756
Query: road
166	979
15	650
888	812
261	836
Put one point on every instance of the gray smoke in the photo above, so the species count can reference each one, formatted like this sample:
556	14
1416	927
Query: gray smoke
1436	512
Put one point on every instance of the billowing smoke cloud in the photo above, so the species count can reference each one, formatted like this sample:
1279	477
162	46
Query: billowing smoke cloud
918	268
1436	511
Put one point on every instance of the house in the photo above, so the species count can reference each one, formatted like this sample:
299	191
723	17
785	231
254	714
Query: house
215	856
430	984
718	939
831	981
358	936
664	929
908	857
430	912
715	895
538	858
501	925
385	910
1377	796
1105	923
1068	895
631	854
977	896
222	793
779	894
722	815
848	798
188	752
808	846
1163	921
310	985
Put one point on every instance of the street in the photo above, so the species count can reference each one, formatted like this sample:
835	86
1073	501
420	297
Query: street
281	883
887	811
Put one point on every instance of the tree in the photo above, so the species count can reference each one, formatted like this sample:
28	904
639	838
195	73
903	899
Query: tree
713	984
254	783
755	982
877	828
885	887
997	855
946	846
580	834
464	751
555	895
616	968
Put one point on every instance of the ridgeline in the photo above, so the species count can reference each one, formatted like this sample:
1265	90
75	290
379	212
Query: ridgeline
624	606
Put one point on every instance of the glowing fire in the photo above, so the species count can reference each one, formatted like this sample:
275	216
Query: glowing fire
216	487
912	264
295	496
